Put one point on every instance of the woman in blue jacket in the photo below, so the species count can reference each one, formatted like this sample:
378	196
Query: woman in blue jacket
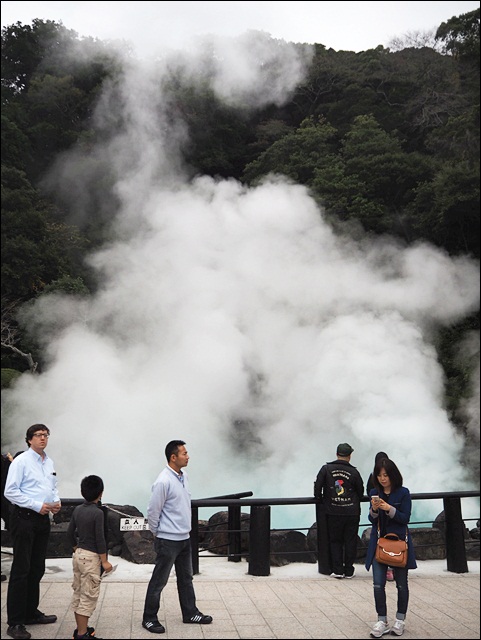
391	510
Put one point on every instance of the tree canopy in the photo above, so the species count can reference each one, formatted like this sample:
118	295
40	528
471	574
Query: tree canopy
388	139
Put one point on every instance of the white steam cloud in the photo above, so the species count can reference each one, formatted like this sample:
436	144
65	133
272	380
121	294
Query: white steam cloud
237	320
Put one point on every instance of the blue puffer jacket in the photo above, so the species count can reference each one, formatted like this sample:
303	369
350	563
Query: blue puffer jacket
401	501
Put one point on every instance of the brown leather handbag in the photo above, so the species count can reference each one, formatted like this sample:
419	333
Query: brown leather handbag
391	549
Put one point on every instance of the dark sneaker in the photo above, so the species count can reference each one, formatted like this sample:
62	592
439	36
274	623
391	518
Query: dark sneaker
198	618
154	627
41	618
19	632
90	634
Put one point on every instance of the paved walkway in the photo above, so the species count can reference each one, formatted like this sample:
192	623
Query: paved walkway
293	602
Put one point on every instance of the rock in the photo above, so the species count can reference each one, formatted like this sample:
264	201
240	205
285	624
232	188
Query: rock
138	547
429	543
58	544
474	533
289	546
440	522
203	526
216	537
472	550
115	550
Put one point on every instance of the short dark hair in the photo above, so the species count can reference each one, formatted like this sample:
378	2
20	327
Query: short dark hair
91	487
31	430
392	471
173	448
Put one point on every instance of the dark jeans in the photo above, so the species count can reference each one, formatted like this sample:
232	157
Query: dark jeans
379	582
343	542
30	532
171	553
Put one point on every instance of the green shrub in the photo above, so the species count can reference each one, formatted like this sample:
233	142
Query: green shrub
8	376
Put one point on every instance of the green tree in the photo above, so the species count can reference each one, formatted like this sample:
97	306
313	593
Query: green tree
460	36
379	177
446	208
25	48
35	248
298	155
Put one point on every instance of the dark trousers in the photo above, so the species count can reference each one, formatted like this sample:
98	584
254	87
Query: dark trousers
171	553
343	531
379	582
30	532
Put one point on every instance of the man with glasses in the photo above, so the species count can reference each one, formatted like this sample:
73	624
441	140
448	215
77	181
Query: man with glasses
31	487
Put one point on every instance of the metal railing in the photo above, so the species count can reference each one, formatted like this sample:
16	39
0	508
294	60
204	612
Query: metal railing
260	529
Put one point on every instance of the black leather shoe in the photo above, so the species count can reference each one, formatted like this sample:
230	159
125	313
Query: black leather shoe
18	632
41	619
198	618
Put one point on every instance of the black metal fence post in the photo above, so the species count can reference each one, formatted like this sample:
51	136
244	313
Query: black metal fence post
455	546
260	541
234	535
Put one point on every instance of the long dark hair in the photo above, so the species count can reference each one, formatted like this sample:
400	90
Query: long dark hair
392	471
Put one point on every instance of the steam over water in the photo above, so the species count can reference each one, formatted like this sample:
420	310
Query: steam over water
237	320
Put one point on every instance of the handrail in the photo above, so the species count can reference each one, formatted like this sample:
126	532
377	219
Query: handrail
218	502
259	533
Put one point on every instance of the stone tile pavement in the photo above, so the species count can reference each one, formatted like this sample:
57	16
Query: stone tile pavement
293	602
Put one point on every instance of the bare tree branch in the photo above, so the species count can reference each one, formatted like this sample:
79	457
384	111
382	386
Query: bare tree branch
10	334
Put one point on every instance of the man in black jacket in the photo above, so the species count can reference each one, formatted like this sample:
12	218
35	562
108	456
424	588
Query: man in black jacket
340	488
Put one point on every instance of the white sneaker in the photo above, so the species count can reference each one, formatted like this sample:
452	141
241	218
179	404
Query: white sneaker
398	627
339	576
379	629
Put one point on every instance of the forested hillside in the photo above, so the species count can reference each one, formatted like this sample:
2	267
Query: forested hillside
386	140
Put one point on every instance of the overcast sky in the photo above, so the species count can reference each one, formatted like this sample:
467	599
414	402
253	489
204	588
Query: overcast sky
352	26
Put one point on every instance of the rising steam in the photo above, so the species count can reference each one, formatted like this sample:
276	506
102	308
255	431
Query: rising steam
237	320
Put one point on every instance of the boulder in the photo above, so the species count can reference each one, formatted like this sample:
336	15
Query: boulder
429	543
203	526
138	547
65	513
472	545
58	544
440	523
289	546
216	537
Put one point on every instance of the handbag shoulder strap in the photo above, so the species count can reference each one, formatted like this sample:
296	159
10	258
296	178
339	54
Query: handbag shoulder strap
379	532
